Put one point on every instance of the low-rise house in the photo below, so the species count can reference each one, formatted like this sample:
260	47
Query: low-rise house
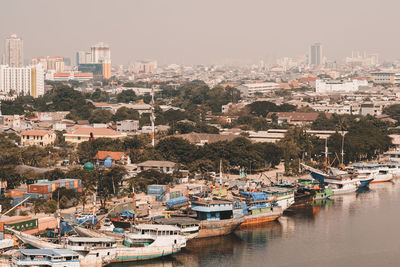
275	135
162	166
85	134
112	157
37	138
201	139
296	118
128	126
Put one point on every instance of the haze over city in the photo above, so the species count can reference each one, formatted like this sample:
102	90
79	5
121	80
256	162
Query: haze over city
199	133
203	32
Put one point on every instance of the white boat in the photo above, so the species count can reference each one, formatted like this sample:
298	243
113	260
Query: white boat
92	251
380	172
149	241
284	197
341	182
46	257
6	244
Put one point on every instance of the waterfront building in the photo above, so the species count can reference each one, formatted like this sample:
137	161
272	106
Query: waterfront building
22	80
13	51
162	166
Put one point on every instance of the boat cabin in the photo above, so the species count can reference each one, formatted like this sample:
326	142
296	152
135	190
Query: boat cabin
47	257
156	230
85	243
215	210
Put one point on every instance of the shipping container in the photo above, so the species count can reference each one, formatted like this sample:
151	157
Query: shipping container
17	192
39	188
76	184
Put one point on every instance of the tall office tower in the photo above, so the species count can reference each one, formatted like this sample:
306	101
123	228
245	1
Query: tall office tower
315	57
14	54
22	80
101	53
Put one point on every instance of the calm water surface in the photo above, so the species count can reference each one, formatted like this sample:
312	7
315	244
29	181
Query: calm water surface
352	230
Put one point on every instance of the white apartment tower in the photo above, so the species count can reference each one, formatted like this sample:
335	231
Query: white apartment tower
315	57
14	51
22	80
101	53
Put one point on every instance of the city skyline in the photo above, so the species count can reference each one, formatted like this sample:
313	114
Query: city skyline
201	33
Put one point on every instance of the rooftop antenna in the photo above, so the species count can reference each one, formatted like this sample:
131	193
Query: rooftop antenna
152	118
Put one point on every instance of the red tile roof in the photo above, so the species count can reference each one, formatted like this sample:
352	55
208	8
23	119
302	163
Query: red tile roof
111	154
101	105
83	74
61	75
35	132
95	131
299	116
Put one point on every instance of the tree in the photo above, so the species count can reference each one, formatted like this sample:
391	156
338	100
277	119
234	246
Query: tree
323	123
176	149
50	206
126	96
145	178
393	111
101	116
109	182
124	113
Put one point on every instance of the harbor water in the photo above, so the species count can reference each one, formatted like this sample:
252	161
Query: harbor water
360	229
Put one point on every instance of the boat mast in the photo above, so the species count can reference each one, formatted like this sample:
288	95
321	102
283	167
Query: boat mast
220	178
342	147
326	154
152	117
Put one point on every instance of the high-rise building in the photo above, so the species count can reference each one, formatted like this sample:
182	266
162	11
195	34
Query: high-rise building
315	57
14	52
83	57
22	80
101	53
97	61
40	60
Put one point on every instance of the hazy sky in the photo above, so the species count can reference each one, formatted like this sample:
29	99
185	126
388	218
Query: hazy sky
203	31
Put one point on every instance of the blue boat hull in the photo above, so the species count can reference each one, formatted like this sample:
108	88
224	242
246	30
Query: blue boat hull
365	183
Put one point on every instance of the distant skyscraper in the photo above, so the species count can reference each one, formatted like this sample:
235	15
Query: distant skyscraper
83	57
14	52
101	53
315	57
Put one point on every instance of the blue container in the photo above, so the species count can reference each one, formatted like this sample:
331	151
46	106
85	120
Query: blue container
118	230
176	202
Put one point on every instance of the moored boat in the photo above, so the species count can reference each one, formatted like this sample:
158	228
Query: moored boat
258	209
284	197
149	241
46	257
217	217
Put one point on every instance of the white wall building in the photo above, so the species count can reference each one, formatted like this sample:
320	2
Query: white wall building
22	80
250	89
333	86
